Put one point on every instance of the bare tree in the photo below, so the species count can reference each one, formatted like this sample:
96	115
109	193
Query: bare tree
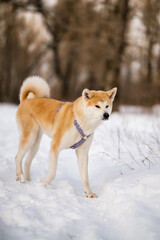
151	11
17	58
87	46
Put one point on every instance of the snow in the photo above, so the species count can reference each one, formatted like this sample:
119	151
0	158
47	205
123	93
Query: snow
124	171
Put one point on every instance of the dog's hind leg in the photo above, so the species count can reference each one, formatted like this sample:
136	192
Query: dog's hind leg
32	152
53	159
27	139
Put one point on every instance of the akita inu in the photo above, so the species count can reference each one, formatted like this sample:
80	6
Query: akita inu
69	124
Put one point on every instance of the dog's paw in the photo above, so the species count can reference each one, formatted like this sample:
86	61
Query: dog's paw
27	177
91	195
44	182
20	178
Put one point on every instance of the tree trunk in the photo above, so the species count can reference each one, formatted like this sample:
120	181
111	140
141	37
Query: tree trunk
124	10
68	73
112	68
149	63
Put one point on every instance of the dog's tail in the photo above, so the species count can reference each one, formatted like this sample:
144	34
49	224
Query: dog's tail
34	87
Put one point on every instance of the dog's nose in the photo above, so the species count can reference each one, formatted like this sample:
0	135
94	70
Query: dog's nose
105	116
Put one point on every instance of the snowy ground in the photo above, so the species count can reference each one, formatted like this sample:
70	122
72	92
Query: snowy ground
124	171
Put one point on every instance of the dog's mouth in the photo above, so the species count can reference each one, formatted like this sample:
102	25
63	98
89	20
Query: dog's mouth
105	119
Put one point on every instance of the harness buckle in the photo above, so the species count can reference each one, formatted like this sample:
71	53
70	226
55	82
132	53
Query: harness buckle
85	137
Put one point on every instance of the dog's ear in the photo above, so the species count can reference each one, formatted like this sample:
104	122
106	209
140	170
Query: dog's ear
86	94
112	93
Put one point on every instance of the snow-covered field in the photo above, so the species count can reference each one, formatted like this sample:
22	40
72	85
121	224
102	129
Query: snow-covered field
124	171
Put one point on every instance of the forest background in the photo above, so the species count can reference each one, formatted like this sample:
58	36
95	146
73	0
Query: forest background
95	44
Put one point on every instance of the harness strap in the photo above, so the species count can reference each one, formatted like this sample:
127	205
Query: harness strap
84	137
79	129
57	111
78	143
59	108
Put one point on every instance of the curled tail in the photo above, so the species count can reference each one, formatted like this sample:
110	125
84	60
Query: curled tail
34	87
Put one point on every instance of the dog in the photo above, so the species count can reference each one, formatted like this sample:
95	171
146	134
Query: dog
69	124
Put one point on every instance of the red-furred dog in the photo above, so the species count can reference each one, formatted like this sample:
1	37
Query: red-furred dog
68	124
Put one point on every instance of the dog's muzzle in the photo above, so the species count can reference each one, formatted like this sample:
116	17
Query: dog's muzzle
105	116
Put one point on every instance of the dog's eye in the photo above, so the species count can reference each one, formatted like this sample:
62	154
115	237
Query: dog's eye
107	106
97	106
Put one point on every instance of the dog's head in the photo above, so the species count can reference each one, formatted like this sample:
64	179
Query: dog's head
98	104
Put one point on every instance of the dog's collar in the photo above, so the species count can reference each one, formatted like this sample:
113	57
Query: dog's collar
84	137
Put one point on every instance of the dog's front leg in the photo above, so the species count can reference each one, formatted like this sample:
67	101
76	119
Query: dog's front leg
53	159
82	157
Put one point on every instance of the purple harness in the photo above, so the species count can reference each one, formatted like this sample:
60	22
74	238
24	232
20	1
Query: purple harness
84	137
79	129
